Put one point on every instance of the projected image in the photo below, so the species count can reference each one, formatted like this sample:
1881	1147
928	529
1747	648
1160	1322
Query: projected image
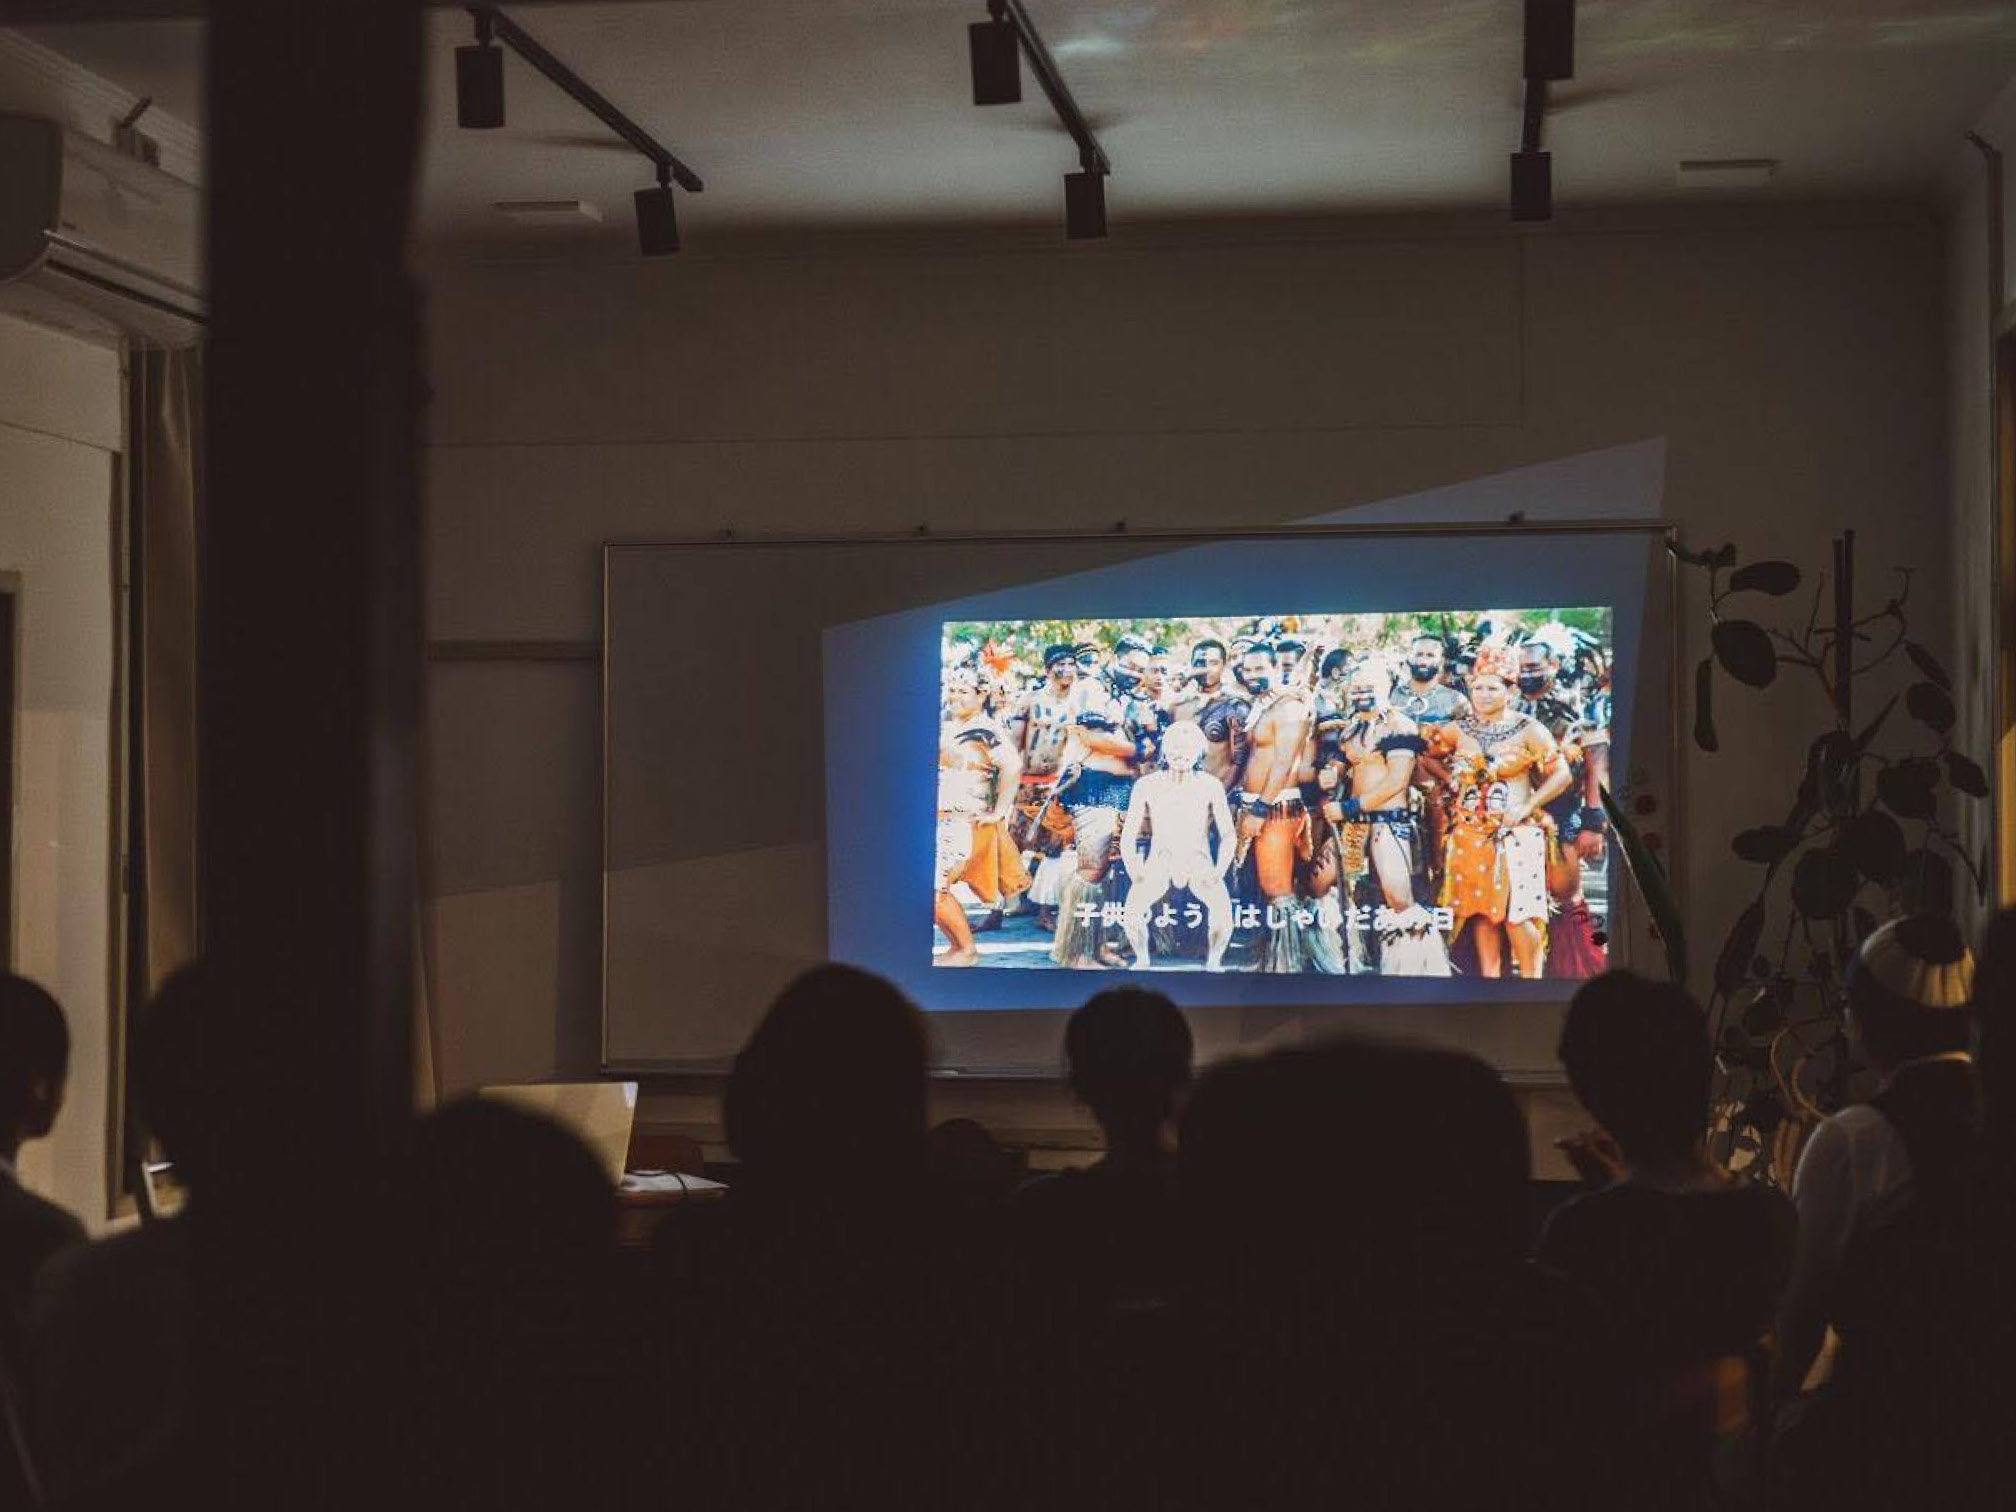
1409	794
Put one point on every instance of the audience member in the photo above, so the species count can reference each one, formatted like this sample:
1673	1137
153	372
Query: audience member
1097	1252
492	1329
34	1068
1689	1266
1107	1233
111	1326
1909	987
1890	1249
1995	1041
1362	1326
827	1340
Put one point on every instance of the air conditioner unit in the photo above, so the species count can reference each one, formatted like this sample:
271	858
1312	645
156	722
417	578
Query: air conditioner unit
95	242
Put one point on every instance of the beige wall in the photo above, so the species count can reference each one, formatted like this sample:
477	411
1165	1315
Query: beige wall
1973	310
1792	361
61	427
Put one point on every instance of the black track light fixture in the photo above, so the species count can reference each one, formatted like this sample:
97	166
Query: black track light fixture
479	81
998	46
1549	55
1550	39
997	59
657	222
1085	205
1532	186
479	102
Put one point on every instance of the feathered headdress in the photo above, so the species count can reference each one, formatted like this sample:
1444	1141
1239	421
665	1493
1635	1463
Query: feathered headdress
1495	659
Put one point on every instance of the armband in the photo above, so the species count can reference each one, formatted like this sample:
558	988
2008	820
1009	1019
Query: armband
1091	719
1252	803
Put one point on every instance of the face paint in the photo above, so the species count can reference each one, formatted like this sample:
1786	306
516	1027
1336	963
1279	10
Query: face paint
1422	671
1531	683
1364	703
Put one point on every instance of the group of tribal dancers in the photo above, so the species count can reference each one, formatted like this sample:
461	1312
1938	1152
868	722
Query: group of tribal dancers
1274	805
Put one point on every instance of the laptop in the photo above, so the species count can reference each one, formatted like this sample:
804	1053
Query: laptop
599	1113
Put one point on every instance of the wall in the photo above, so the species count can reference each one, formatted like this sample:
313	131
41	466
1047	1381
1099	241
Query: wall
1973	310
61	430
1790	358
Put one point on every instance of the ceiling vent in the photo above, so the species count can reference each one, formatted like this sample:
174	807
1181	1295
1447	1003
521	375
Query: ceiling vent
571	212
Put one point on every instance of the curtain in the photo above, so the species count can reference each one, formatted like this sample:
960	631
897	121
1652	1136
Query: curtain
166	452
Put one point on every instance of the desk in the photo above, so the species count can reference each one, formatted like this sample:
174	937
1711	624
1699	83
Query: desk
645	1197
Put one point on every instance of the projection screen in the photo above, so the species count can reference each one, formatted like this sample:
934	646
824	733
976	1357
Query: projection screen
1294	778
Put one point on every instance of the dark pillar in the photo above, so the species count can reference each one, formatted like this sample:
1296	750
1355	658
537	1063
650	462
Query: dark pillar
310	660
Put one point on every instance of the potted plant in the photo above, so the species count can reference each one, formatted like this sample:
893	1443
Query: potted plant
1863	838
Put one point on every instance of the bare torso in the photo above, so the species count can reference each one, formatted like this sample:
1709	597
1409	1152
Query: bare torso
1279	733
1046	730
969	770
1379	778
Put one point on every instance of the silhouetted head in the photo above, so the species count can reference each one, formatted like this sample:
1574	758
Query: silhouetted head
831	1081
34	1061
1909	988
505	1207
493	1259
1995	1019
170	1070
1637	1056
1315	1178
1354	1220
1127	1052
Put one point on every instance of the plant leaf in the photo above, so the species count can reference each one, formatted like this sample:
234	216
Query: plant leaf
1966	775
1875	843
1775	578
1824	882
1930	705
1908	789
1704	706
1653	886
1760	1016
1927	664
1744	650
1733	964
1765	844
1723	555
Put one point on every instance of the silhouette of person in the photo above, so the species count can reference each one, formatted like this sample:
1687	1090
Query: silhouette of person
1097	1251
1894	1254
1362	1326
34	1070
111	1330
491	1325
1108	1231
820	1346
1689	1266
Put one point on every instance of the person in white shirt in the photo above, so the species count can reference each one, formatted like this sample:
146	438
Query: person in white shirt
1909	989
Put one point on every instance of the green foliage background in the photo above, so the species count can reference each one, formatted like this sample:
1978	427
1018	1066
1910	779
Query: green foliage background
1025	640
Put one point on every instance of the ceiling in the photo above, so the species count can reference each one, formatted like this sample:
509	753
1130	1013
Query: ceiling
857	112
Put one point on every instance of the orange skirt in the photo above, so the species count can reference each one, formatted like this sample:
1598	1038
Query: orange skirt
1472	880
995	870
